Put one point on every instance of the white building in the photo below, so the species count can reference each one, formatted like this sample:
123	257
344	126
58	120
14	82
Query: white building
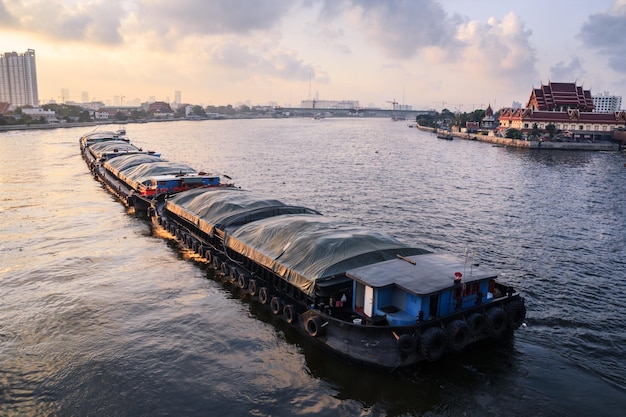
18	78
38	112
604	103
329	104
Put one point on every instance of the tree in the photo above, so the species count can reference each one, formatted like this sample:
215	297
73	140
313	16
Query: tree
551	128
84	116
513	134
198	111
535	132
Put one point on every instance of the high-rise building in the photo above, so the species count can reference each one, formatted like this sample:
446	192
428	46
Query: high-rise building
18	78
604	103
177	97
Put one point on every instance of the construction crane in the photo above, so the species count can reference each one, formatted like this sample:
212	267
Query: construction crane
394	103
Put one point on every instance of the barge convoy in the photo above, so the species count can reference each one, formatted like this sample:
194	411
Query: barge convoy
358	293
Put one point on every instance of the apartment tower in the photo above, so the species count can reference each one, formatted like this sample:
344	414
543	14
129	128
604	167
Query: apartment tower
18	78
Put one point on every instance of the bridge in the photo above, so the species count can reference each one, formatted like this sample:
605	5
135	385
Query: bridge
354	112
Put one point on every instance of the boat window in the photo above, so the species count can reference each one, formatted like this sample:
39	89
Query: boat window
471	289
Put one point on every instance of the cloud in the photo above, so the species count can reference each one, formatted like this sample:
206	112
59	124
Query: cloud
93	21
604	32
563	72
185	17
499	49
250	61
400	28
5	17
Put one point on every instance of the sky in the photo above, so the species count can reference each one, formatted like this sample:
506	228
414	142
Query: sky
457	54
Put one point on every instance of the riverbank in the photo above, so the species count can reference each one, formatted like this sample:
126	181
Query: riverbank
531	144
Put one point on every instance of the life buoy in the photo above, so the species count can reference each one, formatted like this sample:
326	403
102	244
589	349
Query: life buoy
433	344
289	313
242	281
516	313
458	335
477	324
496	322
407	344
276	305
314	326
252	287
264	295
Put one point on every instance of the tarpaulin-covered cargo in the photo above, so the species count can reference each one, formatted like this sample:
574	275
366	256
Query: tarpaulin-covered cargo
122	162
100	149
135	169
219	208
297	243
304	249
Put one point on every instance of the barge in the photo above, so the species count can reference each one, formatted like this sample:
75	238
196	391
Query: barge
357	293
136	176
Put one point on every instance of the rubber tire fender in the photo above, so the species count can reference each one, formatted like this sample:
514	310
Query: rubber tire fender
407	344
516	313
252	287
433	344
477	324
289	313
496	322
242	281
314	327
264	295
276	305
458	335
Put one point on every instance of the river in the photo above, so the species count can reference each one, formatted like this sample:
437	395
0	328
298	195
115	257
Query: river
102	316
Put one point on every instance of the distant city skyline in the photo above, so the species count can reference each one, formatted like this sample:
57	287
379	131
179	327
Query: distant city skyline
425	54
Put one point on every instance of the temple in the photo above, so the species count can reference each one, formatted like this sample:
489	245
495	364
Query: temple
566	106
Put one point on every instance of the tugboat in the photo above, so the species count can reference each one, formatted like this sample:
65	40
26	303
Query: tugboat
358	293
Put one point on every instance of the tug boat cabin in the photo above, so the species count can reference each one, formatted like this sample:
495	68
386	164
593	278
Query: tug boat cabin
416	289
171	184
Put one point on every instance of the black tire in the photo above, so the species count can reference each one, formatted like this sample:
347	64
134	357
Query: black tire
458	335
252	287
314	326
477	324
216	262
224	268
433	344
242	281
264	295
496	322
276	305
407	344
516	313
289	313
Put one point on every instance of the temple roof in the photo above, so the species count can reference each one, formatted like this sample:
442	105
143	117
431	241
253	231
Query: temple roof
560	97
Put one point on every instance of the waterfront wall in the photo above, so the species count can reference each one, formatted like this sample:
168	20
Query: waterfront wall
516	143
